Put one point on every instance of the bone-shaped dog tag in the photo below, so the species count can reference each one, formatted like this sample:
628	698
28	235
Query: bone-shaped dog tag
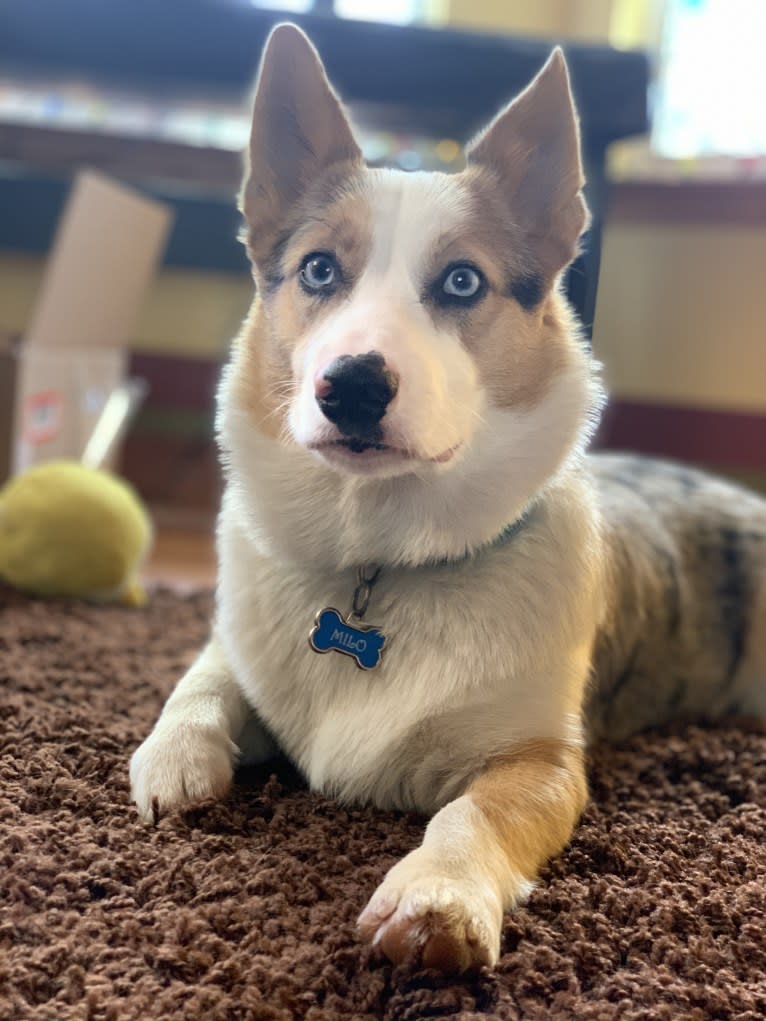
333	633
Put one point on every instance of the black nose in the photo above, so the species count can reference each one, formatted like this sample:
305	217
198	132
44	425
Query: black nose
354	392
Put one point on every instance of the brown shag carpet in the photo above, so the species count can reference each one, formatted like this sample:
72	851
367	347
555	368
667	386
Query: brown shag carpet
245	910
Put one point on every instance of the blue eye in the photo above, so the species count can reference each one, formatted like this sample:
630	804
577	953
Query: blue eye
319	272
462	282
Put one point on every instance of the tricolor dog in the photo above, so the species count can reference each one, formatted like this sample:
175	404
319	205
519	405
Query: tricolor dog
403	423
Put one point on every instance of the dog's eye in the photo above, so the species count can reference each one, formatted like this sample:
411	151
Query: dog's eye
462	282
319	271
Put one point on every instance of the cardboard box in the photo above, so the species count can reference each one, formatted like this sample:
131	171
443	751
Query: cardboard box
56	379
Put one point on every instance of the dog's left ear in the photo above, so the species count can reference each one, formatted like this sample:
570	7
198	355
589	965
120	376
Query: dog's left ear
533	149
299	130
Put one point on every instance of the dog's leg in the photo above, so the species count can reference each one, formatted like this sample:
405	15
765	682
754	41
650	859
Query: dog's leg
481	853
190	754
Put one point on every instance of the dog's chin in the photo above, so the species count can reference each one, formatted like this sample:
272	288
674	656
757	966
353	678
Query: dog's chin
379	460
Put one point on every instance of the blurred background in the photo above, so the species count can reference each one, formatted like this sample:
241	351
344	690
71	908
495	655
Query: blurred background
154	94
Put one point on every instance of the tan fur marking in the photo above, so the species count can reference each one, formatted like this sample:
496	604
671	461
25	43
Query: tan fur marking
262	374
532	796
518	358
279	325
330	187
518	352
344	228
492	226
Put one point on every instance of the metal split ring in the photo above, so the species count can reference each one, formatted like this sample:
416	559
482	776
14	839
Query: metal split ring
366	578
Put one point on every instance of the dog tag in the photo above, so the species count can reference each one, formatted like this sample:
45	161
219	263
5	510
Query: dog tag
334	633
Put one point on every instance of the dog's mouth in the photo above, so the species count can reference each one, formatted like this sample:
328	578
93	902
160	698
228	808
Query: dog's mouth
361	450
360	446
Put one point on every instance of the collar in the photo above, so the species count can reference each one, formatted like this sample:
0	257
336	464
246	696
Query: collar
368	574
511	530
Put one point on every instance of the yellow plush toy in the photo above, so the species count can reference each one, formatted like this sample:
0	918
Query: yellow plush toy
70	530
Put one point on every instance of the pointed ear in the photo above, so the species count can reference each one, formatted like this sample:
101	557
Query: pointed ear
299	129
533	149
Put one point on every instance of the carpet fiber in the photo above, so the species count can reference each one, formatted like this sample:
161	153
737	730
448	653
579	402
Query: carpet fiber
245	910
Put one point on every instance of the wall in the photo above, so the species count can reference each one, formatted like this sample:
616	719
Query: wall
556	19
187	313
681	315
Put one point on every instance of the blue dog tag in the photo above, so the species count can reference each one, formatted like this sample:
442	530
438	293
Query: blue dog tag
331	633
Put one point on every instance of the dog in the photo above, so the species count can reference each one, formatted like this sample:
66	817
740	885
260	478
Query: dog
430	596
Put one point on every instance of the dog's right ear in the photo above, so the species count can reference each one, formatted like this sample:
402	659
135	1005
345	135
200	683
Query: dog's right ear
299	130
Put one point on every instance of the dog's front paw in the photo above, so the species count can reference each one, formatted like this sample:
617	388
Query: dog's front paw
179	765
424	914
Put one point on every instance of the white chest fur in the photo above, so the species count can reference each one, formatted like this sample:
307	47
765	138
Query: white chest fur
479	656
